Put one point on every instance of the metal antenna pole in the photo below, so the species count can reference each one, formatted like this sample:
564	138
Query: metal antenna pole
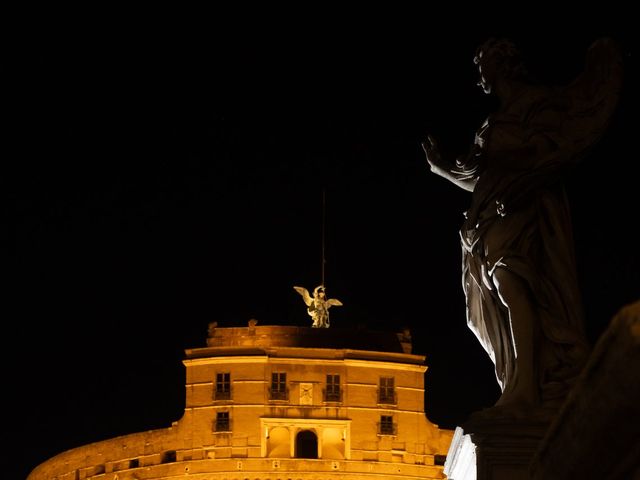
324	216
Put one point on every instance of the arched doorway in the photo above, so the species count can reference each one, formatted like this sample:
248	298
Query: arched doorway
306	444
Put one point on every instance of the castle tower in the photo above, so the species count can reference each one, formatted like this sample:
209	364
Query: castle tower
275	402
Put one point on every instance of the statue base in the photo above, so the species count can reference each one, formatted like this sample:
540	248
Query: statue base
496	444
593	435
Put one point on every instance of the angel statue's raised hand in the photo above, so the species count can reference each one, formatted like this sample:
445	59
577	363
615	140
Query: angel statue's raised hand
318	305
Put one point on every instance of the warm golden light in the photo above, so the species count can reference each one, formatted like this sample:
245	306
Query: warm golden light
282	399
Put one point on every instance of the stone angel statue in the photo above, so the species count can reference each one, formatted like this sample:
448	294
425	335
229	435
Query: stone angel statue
518	265
318	305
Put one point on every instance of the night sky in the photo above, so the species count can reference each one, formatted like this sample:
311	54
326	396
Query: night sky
167	176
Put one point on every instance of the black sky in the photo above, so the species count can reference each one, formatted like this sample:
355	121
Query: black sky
168	176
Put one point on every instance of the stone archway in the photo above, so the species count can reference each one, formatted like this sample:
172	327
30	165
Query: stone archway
332	443
306	444
278	443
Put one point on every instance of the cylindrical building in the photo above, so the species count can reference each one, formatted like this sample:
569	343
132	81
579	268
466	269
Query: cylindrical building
274	402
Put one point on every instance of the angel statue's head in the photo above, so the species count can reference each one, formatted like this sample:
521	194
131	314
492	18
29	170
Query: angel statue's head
498	58
319	291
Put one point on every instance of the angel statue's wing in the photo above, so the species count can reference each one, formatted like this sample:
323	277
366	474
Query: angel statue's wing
592	97
333	302
308	300
572	118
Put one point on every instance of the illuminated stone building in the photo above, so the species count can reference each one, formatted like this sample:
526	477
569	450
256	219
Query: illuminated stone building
275	402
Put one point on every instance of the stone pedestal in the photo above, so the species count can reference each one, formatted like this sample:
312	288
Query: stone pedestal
461	459
594	435
496	445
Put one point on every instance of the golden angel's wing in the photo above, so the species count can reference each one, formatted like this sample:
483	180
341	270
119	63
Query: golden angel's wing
332	302
308	300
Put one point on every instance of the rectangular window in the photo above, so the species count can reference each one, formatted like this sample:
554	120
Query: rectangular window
222	422
387	393
278	386
223	386
386	425
168	457
332	391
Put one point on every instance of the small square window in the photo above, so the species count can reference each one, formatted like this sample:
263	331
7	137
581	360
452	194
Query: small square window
332	390
386	426
278	389
387	392
222	422
223	386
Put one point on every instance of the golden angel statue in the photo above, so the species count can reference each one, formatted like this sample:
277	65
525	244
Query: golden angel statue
318	305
